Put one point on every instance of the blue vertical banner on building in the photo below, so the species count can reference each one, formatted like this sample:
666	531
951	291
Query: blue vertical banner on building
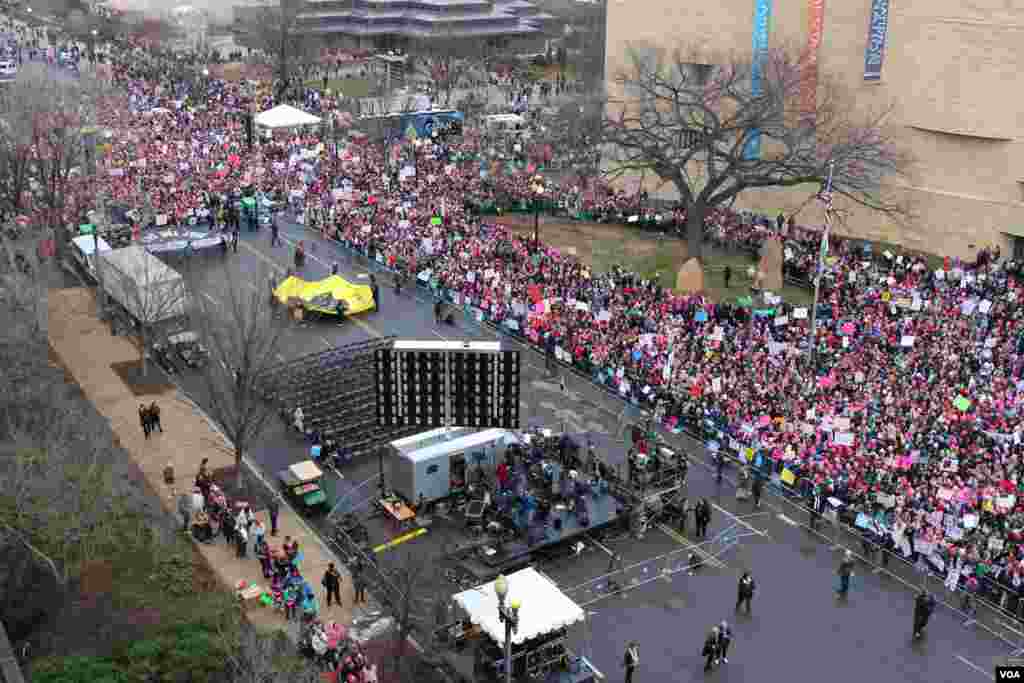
878	29
762	25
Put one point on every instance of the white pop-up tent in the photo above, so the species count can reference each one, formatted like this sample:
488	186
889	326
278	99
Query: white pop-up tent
544	608
283	116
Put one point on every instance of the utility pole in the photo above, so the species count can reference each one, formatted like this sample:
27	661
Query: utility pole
826	197
98	221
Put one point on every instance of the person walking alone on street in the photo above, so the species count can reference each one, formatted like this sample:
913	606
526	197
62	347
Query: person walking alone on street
845	572
332	584
358	583
924	605
727	275
376	292
631	660
144	419
756	489
273	508
724	640
274	234
702	515
234	240
745	591
154	416
710	650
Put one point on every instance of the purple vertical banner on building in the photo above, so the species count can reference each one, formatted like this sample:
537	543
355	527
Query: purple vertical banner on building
762	25
878	29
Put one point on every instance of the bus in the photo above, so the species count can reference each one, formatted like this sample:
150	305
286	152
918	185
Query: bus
440	123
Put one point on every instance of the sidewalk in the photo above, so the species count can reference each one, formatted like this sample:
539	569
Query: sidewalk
88	350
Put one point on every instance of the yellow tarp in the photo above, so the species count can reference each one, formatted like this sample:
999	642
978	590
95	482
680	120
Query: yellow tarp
318	295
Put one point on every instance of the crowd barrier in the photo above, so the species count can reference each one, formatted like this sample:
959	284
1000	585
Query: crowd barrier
991	605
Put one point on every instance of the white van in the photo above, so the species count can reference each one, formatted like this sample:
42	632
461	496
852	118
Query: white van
8	70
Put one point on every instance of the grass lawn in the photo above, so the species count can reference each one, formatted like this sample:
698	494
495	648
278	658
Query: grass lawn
349	87
605	245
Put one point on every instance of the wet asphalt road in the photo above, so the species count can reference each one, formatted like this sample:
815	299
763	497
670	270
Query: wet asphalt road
798	630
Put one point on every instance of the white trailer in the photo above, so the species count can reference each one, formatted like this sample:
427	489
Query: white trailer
429	464
149	290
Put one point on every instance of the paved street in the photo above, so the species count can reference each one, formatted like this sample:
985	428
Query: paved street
798	630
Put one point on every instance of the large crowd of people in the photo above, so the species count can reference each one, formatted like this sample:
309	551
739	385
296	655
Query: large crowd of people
909	414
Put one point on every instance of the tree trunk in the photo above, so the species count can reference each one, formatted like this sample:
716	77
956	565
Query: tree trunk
238	466
695	214
143	337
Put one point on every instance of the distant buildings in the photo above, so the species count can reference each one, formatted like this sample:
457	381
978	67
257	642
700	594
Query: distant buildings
400	24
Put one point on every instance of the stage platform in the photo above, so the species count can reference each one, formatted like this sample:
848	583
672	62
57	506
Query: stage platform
487	558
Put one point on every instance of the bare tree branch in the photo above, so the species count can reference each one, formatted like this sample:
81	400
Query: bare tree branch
243	338
691	118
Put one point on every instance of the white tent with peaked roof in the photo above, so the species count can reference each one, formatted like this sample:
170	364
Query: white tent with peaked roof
284	116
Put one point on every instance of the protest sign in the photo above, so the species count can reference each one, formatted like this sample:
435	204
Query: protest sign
799	313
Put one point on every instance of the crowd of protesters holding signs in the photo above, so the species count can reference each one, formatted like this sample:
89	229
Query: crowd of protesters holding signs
910	417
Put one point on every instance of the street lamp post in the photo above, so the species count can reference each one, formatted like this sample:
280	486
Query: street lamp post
826	197
509	615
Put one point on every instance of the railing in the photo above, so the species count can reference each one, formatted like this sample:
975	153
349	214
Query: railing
994	607
986	607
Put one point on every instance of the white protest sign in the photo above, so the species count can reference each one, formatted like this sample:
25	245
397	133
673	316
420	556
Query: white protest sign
799	313
844	439
907	341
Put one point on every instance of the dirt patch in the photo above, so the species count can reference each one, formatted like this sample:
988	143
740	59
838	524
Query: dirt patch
647	252
97	577
602	244
152	383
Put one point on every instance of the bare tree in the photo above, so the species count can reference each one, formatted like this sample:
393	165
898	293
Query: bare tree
697	122
243	338
255	657
573	135
276	29
409	604
152	292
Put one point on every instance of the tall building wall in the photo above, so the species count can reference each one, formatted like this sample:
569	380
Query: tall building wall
950	71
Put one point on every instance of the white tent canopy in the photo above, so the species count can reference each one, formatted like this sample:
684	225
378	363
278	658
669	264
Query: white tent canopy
283	116
544	608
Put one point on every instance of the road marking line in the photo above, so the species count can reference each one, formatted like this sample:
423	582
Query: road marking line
1009	627
788	520
327	342
685	542
440	335
209	298
740	521
974	666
